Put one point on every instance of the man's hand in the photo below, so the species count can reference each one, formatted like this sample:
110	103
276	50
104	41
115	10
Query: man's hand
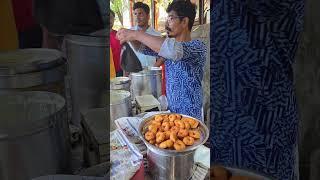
126	35
159	62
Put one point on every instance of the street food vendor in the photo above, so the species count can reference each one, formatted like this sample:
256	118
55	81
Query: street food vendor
115	46
184	57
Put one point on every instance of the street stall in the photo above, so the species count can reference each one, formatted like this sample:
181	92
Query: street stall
156	130
141	143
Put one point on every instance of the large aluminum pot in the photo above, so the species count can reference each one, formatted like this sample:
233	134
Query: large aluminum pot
148	81
171	164
120	106
4	157
38	134
120	83
87	58
32	70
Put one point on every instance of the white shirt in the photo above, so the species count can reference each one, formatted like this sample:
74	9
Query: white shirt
146	61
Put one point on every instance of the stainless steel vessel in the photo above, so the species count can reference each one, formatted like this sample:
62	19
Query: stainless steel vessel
38	134
120	106
87	63
148	81
32	69
171	164
3	156
120	83
96	136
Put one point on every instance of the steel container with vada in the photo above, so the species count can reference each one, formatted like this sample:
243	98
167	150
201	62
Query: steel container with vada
167	164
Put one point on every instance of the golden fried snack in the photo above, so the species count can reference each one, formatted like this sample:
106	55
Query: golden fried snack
194	133
171	123
156	123
187	125
163	145
179	145
158	118
185	119
182	133
173	136
165	120
169	143
153	128
172	131
166	144
165	126
175	129
152	141
179	124
167	133
160	136
149	136
178	116
188	140
172	117
195	124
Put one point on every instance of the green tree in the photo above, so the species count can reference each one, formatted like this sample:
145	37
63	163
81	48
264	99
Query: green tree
164	3
117	6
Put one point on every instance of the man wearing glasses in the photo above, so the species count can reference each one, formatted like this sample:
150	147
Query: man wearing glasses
142	16
184	57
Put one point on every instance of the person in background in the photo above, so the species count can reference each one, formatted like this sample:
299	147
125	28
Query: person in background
29	33
184	57
115	46
142	16
8	31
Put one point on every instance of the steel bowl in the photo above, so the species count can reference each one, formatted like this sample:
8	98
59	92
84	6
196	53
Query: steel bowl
166	164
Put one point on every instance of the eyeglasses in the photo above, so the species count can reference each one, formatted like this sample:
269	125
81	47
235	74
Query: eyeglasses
169	19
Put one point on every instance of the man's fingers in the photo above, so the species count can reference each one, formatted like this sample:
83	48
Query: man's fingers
122	41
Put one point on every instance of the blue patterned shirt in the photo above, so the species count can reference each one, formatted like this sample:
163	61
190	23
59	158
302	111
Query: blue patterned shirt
184	63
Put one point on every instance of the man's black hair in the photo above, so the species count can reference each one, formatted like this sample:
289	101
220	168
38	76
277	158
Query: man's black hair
184	8
112	13
141	5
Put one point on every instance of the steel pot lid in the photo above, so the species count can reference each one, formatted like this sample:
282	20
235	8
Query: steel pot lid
165	152
155	69
119	80
29	60
28	112
118	96
148	72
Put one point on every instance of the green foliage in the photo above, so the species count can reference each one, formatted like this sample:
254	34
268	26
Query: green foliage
164	3
117	6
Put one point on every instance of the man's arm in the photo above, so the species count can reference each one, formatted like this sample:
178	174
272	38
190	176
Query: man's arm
153	42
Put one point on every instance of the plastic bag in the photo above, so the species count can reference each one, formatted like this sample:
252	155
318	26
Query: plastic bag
129	60
163	102
125	161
